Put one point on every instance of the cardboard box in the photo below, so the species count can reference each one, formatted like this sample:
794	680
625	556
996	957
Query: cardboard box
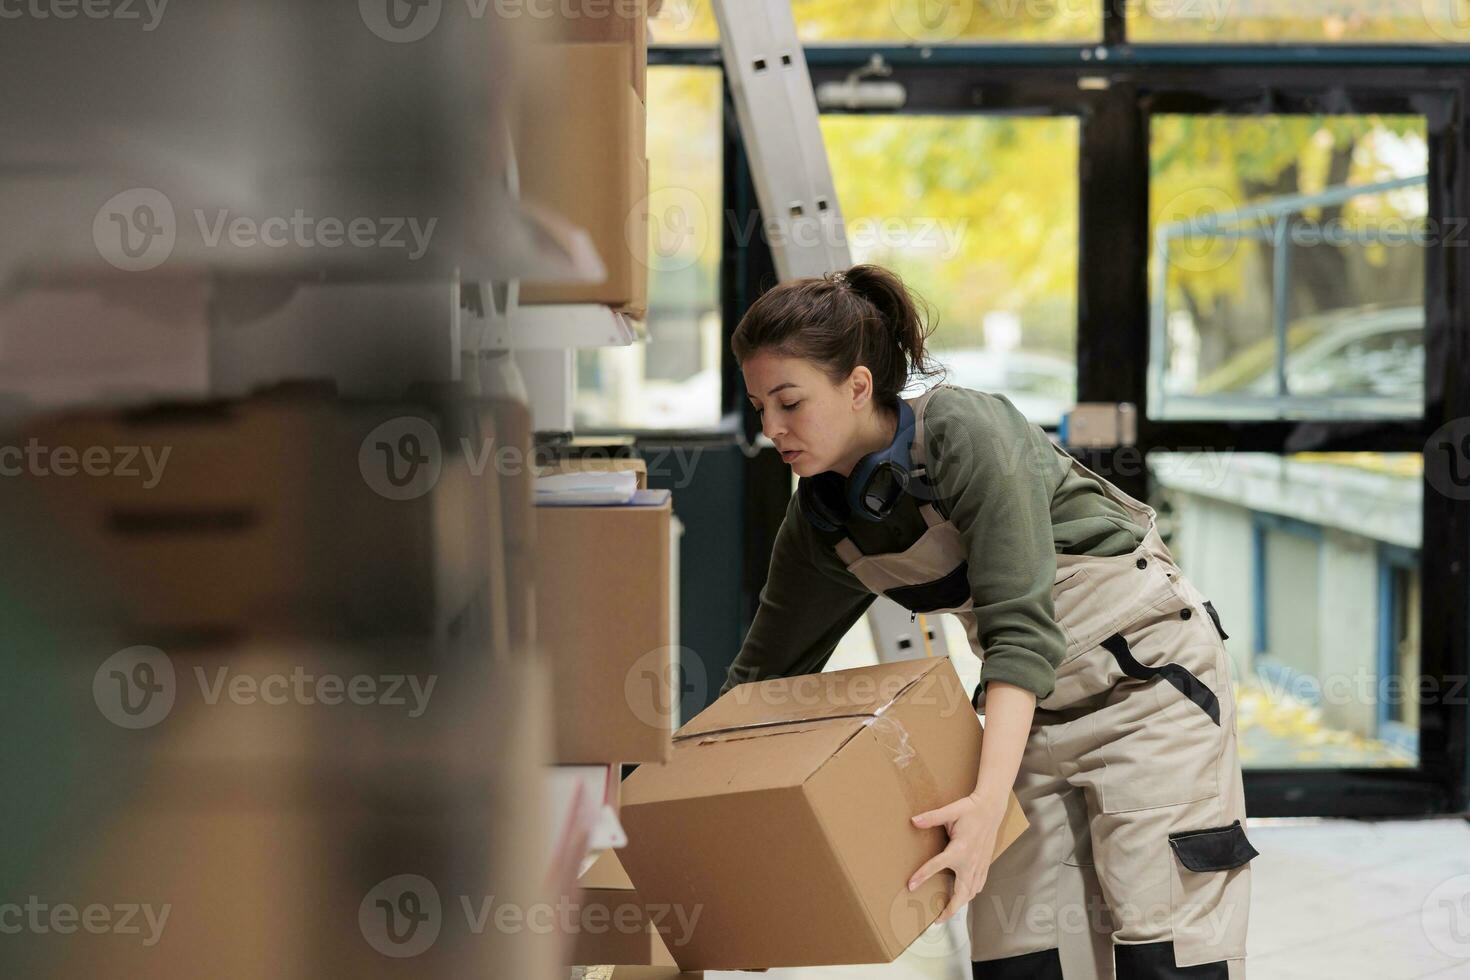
603	618
622	22
783	816
283	822
651	973
612	925
275	512
589	167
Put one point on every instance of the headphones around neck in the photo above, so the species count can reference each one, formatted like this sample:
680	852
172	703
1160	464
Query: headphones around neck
878	482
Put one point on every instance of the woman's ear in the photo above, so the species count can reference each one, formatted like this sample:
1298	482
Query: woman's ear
861	381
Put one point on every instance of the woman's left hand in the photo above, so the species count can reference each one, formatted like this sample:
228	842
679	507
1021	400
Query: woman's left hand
972	825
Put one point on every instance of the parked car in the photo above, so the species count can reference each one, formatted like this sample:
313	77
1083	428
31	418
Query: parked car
1366	361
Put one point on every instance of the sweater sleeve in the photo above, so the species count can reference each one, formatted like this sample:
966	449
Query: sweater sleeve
993	471
809	602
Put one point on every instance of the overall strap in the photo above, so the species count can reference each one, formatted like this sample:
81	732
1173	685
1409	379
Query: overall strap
920	484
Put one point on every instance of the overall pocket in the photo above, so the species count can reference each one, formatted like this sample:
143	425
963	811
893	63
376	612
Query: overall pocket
1210	893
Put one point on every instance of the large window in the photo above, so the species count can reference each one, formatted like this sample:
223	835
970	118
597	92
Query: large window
671	380
1287	266
978	214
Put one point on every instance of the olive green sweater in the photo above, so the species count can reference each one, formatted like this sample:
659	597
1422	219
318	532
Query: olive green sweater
1017	504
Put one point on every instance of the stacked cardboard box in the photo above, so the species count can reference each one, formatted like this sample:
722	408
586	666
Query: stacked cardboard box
604	620
581	145
289	511
609	922
268	682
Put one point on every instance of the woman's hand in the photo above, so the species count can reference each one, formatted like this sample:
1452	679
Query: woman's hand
972	824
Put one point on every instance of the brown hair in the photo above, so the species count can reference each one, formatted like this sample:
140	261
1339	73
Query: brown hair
863	315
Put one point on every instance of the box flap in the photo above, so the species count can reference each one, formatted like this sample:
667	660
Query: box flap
781	703
606	873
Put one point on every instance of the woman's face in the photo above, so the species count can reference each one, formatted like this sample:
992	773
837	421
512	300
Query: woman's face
813	422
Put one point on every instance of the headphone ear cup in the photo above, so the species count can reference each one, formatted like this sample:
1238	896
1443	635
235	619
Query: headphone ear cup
817	504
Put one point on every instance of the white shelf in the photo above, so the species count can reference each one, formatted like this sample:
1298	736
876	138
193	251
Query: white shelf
560	327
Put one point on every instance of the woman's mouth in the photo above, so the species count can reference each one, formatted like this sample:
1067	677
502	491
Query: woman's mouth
790	455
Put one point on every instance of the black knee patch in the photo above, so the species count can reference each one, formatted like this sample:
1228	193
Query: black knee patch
1044	965
1155	961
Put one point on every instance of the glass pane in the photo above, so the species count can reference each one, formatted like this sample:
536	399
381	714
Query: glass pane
1316	21
978	214
1312	562
1287	266
671	380
902	21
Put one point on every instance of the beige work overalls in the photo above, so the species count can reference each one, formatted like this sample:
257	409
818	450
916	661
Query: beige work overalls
1130	777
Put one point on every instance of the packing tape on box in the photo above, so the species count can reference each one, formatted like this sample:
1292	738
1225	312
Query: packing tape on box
920	788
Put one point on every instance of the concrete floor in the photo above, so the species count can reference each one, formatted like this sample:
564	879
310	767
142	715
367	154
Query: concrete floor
1331	900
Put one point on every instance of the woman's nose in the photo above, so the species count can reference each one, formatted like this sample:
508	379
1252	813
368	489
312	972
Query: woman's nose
771	427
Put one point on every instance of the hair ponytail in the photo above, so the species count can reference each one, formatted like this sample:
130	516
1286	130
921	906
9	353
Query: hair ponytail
862	315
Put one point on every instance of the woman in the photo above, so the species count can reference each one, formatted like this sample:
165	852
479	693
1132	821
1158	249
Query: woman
1105	684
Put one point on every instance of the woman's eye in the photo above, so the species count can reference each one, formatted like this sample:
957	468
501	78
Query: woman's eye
792	406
